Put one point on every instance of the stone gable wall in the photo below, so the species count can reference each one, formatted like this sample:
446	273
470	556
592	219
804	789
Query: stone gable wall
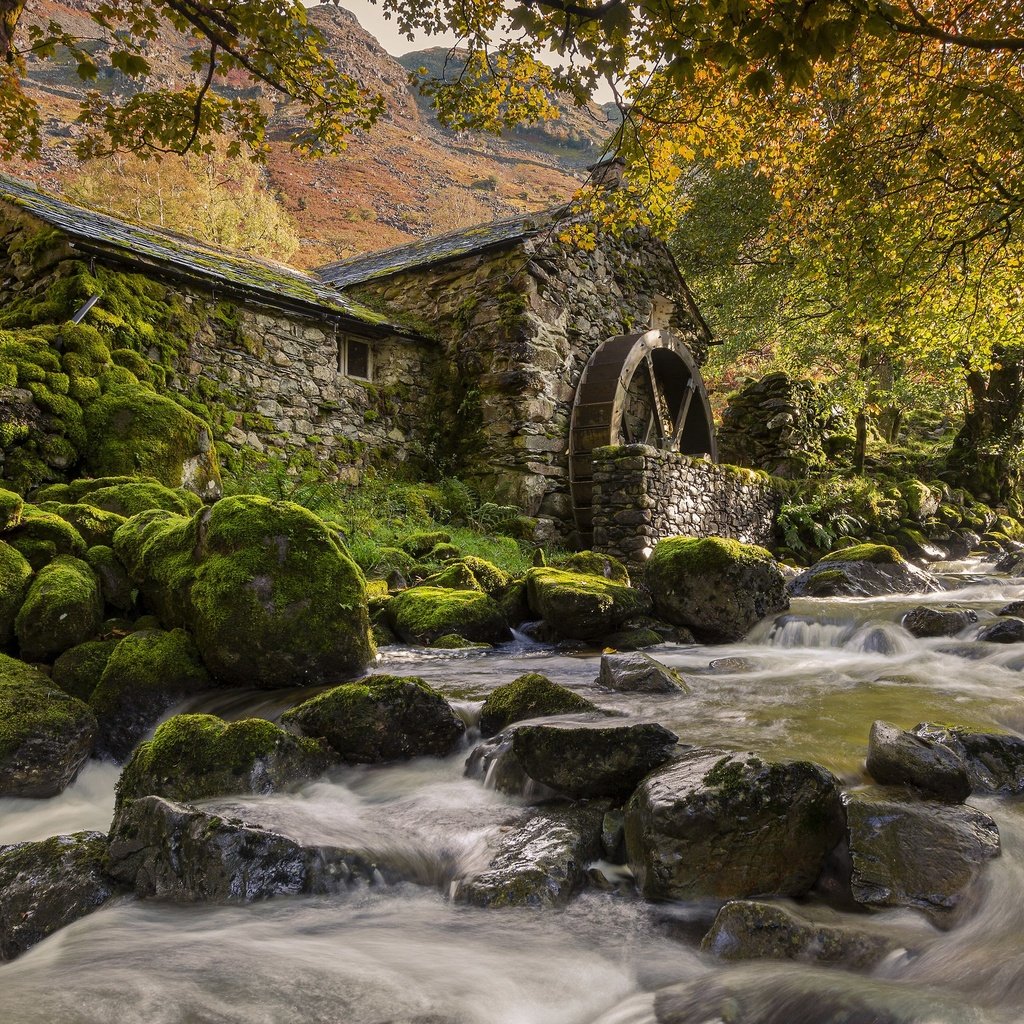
643	494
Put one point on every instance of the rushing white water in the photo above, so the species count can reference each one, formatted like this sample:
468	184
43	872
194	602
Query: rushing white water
807	684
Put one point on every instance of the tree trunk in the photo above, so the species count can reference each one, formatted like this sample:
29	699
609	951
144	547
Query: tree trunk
10	15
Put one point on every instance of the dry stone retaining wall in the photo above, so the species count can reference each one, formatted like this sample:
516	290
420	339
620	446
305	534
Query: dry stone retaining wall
643	494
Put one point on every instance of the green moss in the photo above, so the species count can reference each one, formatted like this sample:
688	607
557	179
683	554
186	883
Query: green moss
456	576
422	543
454	642
386	560
94	525
682	556
580	606
62	608
11	507
78	670
15	573
443	552
530	696
423	614
493	580
878	554
594	565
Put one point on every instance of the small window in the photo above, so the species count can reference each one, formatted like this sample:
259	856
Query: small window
354	358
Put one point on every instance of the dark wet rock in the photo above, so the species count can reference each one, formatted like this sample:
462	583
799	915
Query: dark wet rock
638	673
994	762
78	670
805	996
192	757
716	588
731	825
579	606
531	695
897	758
592	759
866	570
1015	608
495	764
381	718
45	733
925	621
1005	631
177	852
47	885
613	837
540	863
915	853
755	930
637	639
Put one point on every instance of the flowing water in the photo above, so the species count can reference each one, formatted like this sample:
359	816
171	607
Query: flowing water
806	684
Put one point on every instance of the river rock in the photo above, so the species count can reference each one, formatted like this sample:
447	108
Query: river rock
531	695
732	825
1015	608
995	762
915	853
421	615
381	718
638	673
578	606
716	588
47	885
896	758
865	570
755	930
78	670
592	759
1005	631
45	733
538	864
192	757
177	852
62	608
925	621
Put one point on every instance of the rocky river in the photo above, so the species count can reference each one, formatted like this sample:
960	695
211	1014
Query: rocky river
400	949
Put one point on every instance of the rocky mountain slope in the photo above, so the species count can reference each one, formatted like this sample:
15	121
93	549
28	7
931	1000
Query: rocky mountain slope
406	178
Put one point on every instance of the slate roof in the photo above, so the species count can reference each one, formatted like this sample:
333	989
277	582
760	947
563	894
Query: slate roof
425	252
264	281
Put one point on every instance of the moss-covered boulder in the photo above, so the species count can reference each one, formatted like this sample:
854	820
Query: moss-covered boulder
15	573
715	587
493	580
726	826
192	757
531	695
134	430
266	588
454	576
147	673
45	734
78	670
381	718
123	495
63	607
47	885
594	564
422	615
11	507
117	589
863	570
423	542
94	525
577	606
41	536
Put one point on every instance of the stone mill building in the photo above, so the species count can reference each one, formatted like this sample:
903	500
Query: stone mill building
499	354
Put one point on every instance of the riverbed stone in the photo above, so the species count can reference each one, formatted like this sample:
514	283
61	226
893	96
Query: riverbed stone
541	863
580	606
593	759
926	621
45	734
758	930
916	853
381	718
63	607
1008	630
896	758
421	615
715	587
47	885
728	825
531	695
1015	608
994	762
638	673
864	570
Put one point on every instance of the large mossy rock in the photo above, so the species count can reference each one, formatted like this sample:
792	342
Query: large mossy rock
134	430
897	758
579	606
727	826
716	588
916	853
117	589
78	670
63	607
45	734
15	573
601	759
94	525
531	695
147	673
994	761
123	495
381	718
424	614
541	863
47	885
41	536
865	570
265	587
192	757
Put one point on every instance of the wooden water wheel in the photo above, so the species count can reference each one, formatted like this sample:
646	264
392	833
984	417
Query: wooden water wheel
637	389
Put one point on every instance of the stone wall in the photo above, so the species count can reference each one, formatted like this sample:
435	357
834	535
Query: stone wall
643	494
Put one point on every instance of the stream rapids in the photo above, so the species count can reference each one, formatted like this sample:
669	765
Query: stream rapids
806	684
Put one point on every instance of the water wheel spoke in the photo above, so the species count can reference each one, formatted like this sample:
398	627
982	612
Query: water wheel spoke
684	411
659	401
